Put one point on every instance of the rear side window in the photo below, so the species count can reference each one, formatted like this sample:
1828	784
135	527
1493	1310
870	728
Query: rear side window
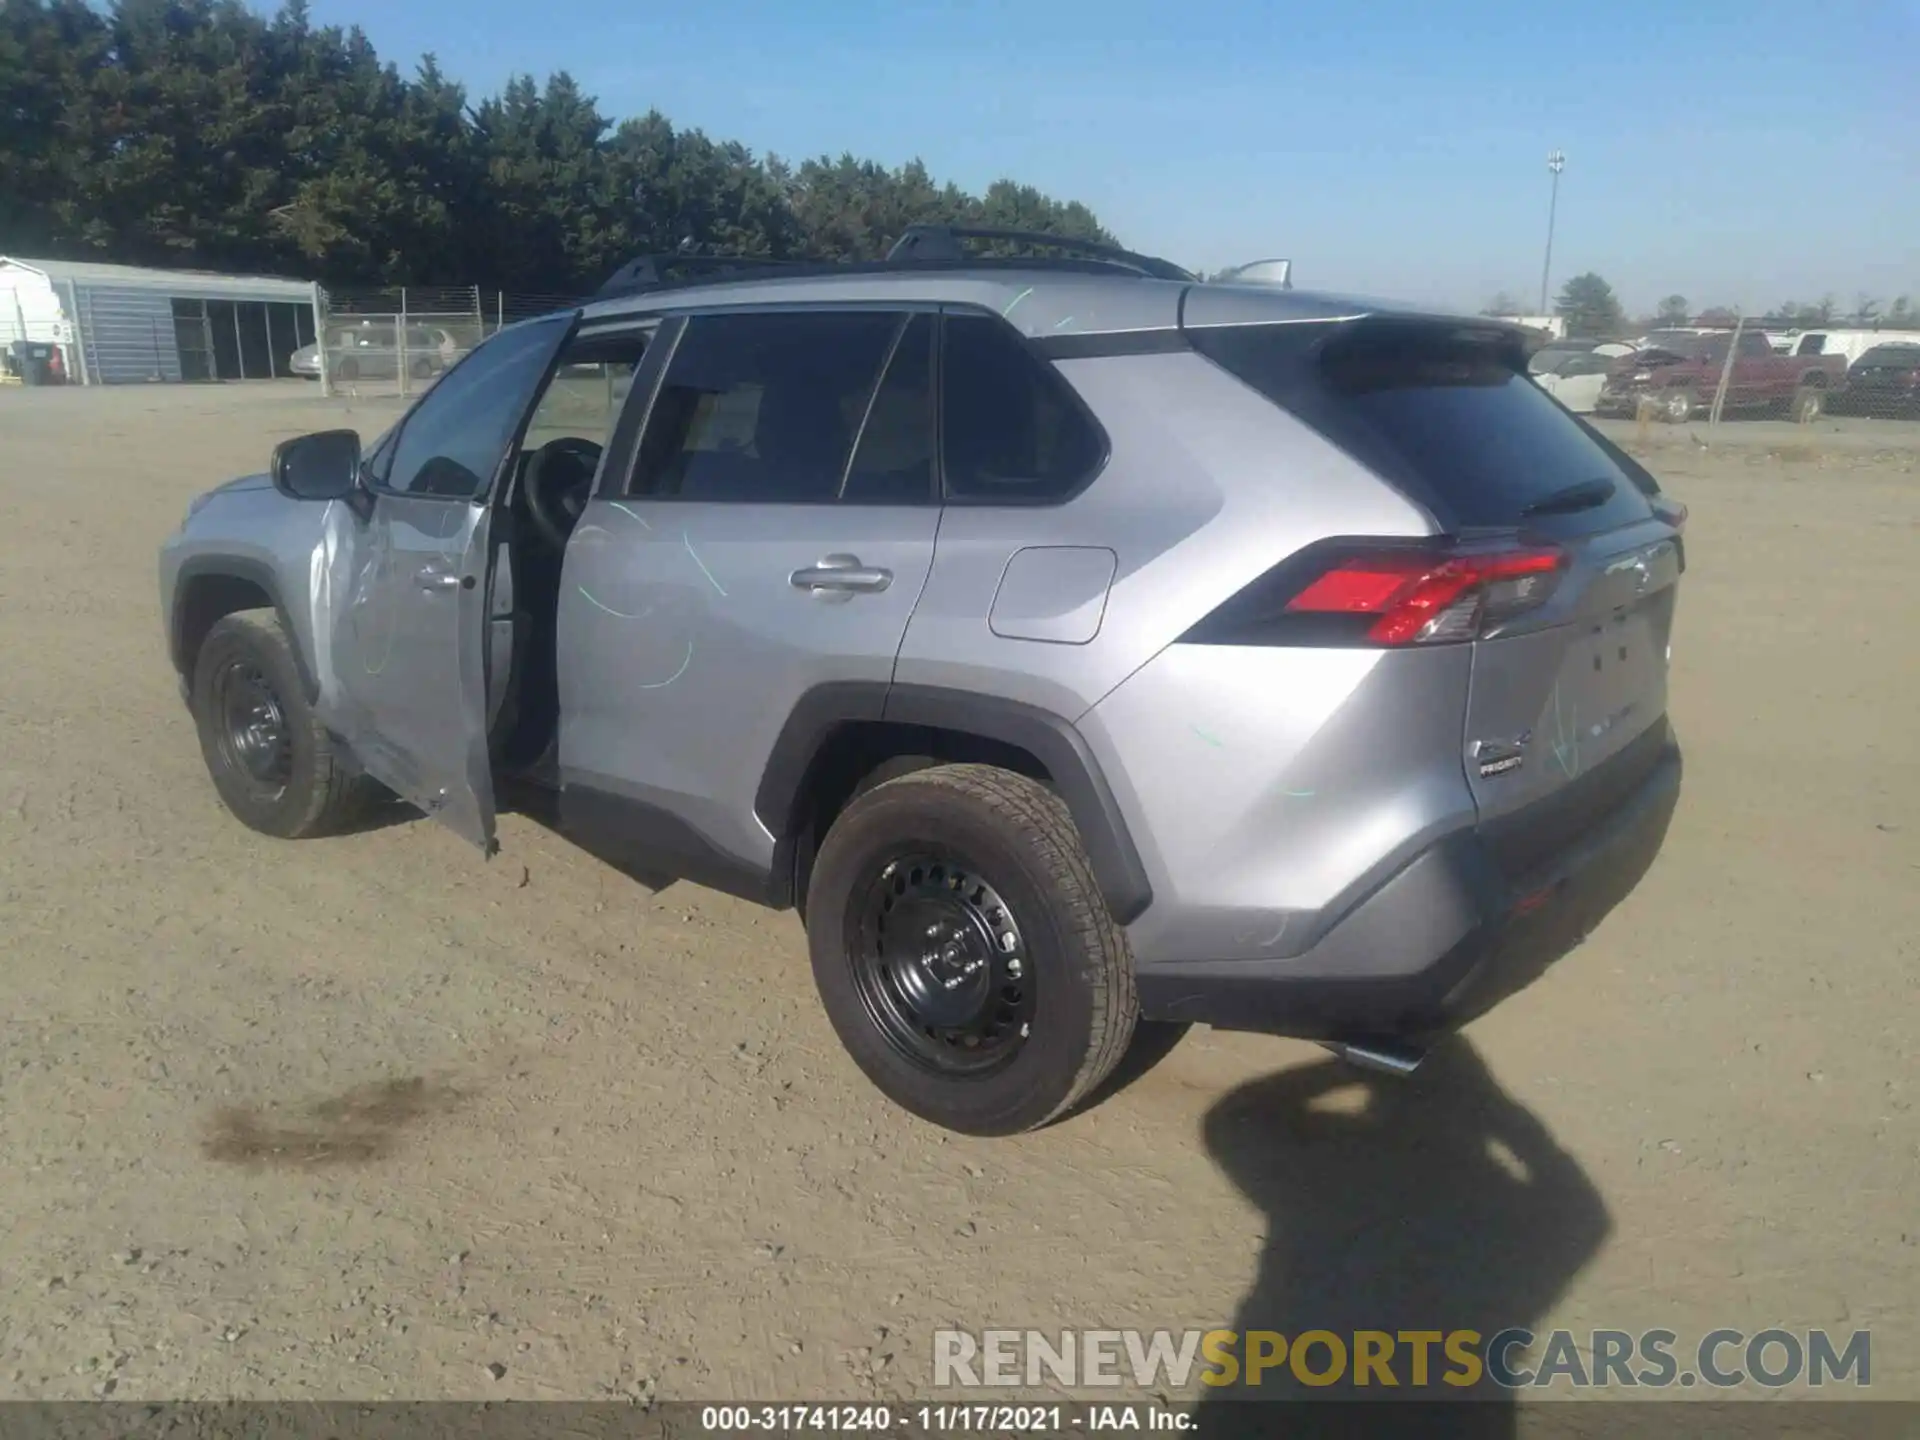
1013	433
1811	344
763	407
1444	413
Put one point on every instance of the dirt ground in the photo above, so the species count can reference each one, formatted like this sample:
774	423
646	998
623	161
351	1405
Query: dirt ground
372	1117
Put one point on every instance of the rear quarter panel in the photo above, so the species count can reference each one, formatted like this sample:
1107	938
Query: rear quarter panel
1207	485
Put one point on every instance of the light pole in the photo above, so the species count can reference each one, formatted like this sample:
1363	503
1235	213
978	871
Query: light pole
1556	162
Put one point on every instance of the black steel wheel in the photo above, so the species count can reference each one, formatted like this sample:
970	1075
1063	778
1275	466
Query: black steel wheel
253	736
275	766
963	951
940	964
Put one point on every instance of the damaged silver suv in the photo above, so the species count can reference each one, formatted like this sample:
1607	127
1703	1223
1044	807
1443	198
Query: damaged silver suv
1071	642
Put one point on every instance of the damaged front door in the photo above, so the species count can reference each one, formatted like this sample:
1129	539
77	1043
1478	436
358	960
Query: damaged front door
409	654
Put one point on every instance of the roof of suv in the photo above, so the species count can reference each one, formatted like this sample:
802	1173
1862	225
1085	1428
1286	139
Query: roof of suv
1039	300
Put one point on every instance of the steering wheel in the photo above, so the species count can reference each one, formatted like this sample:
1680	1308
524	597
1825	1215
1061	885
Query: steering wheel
558	480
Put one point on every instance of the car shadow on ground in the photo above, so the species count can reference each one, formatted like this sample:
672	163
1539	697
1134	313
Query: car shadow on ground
382	813
1434	1203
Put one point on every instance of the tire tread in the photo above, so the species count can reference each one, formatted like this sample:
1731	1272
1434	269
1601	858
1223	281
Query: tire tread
338	795
1042	820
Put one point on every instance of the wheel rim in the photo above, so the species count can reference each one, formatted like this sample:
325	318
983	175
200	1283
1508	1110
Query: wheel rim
941	965
254	739
1677	405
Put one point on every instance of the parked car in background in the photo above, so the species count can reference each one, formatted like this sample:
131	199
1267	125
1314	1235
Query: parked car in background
1884	381
372	352
1849	345
1679	371
1573	374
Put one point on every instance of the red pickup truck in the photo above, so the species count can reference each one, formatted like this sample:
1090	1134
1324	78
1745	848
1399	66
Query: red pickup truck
1678	371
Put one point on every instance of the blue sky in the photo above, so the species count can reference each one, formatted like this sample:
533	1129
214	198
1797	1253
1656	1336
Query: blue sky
1738	152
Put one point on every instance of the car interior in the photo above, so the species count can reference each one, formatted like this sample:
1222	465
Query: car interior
548	487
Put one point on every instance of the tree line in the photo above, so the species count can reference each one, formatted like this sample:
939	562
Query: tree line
200	134
1591	309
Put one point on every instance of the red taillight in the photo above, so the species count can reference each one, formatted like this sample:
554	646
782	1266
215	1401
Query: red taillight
1419	597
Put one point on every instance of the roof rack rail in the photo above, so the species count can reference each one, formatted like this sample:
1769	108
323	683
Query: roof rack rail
942	242
652	272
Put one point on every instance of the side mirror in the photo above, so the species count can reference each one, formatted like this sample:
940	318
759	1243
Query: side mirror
321	466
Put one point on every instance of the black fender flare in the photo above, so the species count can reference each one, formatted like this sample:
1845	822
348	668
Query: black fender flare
254	572
1054	742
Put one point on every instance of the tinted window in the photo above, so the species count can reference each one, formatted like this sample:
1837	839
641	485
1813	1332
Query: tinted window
894	462
763	407
452	443
1902	357
1012	431
1752	342
1811	344
1446	414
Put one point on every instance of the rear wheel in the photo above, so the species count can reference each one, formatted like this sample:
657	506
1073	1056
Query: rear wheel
272	761
1676	406
347	370
963	952
1808	402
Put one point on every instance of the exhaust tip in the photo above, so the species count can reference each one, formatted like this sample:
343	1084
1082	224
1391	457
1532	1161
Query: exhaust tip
1382	1057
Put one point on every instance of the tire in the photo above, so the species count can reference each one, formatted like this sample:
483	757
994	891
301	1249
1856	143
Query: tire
1808	402
420	368
1676	406
302	788
347	370
961	845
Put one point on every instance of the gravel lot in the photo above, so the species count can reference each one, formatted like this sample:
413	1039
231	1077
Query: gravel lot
371	1117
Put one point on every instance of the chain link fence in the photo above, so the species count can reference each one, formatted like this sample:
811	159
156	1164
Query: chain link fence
397	342
1757	383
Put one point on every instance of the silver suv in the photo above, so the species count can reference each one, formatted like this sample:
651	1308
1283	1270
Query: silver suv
1072	643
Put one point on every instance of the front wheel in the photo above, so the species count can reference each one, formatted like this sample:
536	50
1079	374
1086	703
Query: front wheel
272	761
963	952
1808	402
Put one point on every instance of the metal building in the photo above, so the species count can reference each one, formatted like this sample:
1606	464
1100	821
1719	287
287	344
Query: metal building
120	323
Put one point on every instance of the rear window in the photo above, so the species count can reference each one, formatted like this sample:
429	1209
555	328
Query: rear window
1444	413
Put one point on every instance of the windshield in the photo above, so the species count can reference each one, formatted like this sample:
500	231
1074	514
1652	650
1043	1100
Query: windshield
1551	358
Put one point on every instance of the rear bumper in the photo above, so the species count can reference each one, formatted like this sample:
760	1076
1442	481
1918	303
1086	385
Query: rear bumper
1442	941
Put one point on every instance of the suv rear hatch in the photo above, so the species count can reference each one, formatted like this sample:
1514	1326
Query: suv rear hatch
1557	558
